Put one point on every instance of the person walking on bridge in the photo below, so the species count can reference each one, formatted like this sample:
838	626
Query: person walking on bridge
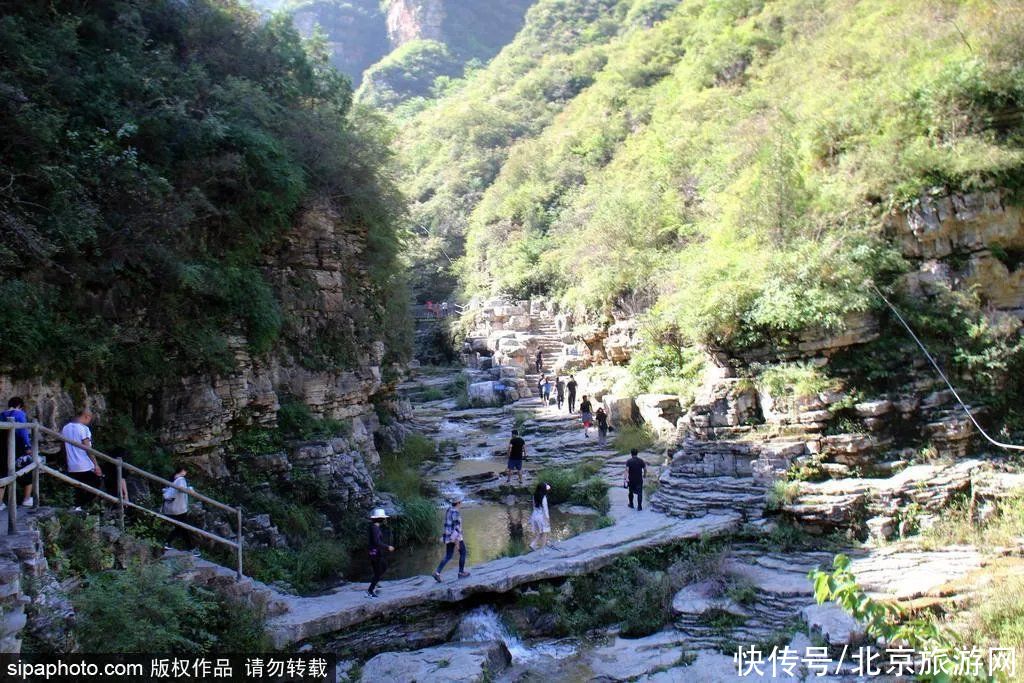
452	536
378	547
571	388
636	469
540	520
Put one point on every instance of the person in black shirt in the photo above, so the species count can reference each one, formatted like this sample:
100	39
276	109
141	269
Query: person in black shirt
516	454
378	546
602	426
571	387
560	391
636	469
540	361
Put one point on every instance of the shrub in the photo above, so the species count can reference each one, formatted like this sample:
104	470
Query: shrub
417	522
433	394
623	593
74	546
591	492
564	480
295	420
795	379
143	609
306	569
629	437
781	493
651	609
400	475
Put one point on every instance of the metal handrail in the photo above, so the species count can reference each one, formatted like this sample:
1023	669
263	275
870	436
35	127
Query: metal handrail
38	465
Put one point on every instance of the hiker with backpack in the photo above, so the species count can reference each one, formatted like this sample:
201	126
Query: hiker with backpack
176	503
22	451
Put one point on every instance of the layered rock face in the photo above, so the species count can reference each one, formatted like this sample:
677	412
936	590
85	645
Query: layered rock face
355	31
323	289
414	19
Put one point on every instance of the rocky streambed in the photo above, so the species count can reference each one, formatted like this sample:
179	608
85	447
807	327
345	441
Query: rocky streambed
513	620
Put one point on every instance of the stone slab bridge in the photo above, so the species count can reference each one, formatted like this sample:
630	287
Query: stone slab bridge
348	605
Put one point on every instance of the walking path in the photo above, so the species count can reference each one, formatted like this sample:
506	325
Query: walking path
556	438
348	605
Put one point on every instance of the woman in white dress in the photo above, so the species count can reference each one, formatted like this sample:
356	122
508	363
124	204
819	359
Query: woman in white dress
540	520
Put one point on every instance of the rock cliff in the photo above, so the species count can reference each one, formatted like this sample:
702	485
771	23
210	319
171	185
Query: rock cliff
739	434
323	287
414	19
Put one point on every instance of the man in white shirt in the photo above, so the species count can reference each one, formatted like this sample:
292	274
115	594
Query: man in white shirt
82	465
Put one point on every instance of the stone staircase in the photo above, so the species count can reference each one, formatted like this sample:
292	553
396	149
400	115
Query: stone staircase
550	343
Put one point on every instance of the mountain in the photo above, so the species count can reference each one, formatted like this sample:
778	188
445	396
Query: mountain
634	154
195	224
355	31
397	49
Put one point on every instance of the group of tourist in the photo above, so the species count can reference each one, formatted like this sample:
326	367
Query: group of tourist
561	388
588	417
438	310
540	519
83	467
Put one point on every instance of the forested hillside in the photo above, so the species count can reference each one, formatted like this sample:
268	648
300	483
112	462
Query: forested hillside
724	166
157	155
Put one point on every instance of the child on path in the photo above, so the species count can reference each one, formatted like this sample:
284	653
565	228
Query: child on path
586	415
453	535
540	520
378	546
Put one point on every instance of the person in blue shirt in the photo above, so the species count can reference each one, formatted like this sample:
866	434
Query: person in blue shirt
22	449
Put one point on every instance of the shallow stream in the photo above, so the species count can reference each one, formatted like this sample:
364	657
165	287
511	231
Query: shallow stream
491	530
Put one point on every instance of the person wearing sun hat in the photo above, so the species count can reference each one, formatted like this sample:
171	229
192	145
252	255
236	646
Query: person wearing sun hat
452	536
377	549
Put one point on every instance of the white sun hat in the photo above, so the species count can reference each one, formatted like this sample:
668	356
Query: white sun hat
378	513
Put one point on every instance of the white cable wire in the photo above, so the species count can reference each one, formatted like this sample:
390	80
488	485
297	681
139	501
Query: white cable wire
935	365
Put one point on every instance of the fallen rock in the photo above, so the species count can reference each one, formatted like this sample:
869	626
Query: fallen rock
834	624
454	663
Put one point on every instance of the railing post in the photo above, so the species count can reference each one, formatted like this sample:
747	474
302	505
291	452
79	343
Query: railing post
12	489
35	472
239	517
120	494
